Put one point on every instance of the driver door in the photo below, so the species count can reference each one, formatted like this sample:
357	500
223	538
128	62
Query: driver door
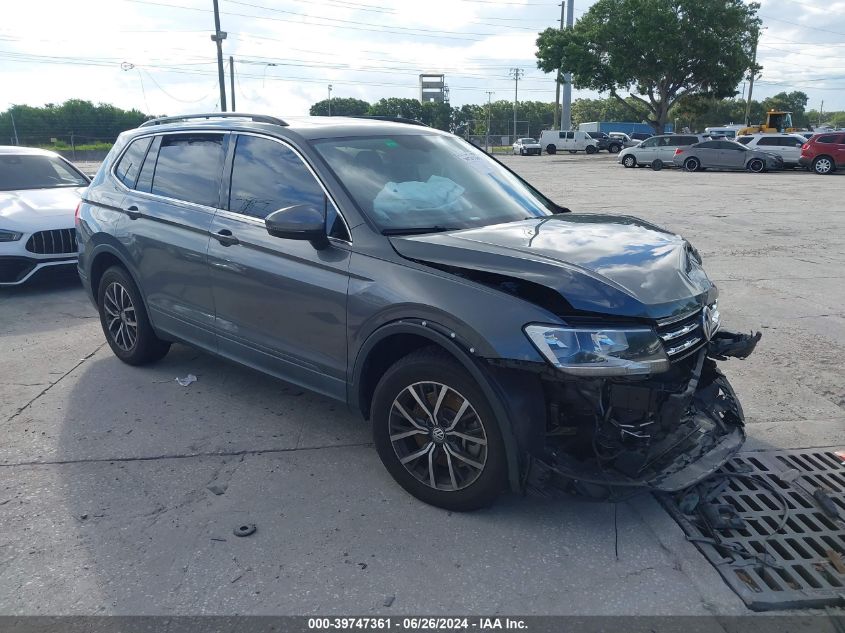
280	304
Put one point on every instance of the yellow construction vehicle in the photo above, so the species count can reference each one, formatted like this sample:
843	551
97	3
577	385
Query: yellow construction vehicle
776	121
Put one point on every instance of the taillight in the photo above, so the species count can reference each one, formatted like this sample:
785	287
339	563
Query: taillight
805	146
679	151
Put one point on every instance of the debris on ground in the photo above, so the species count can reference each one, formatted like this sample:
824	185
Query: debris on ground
217	489
187	380
388	600
244	530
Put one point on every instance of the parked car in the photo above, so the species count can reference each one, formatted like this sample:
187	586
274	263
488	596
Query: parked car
640	136
572	141
787	146
626	140
39	191
824	153
490	336
657	148
527	146
605	141
725	155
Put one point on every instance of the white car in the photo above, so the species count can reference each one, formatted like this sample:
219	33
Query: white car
572	141
627	141
39	192
657	148
787	146
526	146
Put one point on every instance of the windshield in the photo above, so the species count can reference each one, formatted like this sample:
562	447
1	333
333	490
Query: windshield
527	141
33	171
421	181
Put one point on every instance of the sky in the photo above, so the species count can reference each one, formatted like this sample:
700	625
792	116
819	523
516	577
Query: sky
157	55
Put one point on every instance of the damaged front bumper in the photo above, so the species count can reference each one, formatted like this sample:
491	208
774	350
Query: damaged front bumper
661	433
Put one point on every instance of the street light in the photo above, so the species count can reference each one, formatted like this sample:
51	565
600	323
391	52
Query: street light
330	99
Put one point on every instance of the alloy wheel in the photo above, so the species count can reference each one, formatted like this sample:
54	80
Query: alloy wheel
120	316
822	166
438	436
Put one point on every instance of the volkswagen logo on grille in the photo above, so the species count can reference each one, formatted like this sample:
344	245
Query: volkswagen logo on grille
709	322
438	434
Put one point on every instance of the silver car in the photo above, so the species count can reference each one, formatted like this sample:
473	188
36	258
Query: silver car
657	148
725	154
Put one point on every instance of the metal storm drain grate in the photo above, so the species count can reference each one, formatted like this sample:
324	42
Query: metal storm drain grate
773	525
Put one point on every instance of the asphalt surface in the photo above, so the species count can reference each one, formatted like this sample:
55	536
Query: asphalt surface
120	489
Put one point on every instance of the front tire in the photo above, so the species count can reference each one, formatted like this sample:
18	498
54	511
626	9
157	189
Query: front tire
436	433
756	165
629	161
125	321
591	149
614	149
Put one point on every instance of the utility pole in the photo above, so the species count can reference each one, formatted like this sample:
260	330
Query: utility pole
232	80
751	77
566	115
218	38
516	73
821	110
330	99
487	137
15	129
557	78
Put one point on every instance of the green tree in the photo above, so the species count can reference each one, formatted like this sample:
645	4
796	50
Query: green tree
396	106
655	50
341	106
437	115
795	102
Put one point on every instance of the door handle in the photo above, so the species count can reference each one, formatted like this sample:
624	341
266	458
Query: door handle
225	237
133	212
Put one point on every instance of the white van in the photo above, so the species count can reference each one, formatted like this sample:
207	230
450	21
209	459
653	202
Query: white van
572	141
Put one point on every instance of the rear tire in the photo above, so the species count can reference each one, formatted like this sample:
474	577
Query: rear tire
823	166
692	164
657	164
551	149
124	319
463	458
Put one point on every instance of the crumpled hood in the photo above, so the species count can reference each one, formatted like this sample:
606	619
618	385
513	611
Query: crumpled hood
599	263
29	209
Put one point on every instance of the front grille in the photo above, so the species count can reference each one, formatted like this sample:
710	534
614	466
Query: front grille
55	242
682	336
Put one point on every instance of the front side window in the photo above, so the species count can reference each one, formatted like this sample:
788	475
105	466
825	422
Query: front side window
189	167
130	164
37	171
408	182
652	142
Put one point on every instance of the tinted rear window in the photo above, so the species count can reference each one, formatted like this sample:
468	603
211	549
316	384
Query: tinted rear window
745	140
130	164
768	141
828	138
189	168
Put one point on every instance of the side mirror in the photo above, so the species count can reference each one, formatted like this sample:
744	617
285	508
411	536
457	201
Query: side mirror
299	222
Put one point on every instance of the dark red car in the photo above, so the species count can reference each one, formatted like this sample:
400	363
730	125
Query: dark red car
824	153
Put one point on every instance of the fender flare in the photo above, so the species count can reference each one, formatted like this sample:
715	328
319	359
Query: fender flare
492	390
117	252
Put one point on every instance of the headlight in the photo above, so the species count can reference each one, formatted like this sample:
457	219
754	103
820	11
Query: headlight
10	236
600	351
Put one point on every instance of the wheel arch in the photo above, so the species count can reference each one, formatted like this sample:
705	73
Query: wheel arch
102	257
395	340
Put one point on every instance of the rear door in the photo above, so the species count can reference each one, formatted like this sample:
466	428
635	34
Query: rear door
790	149
774	145
280	304
839	151
169	211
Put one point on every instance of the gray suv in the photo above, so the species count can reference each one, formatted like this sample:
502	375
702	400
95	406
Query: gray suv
491	337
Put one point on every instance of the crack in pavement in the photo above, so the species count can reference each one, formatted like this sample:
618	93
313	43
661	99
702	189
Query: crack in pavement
53	384
150	458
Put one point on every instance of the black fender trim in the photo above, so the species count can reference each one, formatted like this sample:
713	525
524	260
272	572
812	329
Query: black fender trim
508	392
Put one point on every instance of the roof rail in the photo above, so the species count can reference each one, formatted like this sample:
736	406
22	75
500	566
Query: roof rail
258	118
393	119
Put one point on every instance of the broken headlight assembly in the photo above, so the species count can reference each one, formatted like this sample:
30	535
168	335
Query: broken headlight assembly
608	351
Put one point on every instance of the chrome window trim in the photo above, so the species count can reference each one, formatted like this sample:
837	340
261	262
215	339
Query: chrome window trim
314	175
